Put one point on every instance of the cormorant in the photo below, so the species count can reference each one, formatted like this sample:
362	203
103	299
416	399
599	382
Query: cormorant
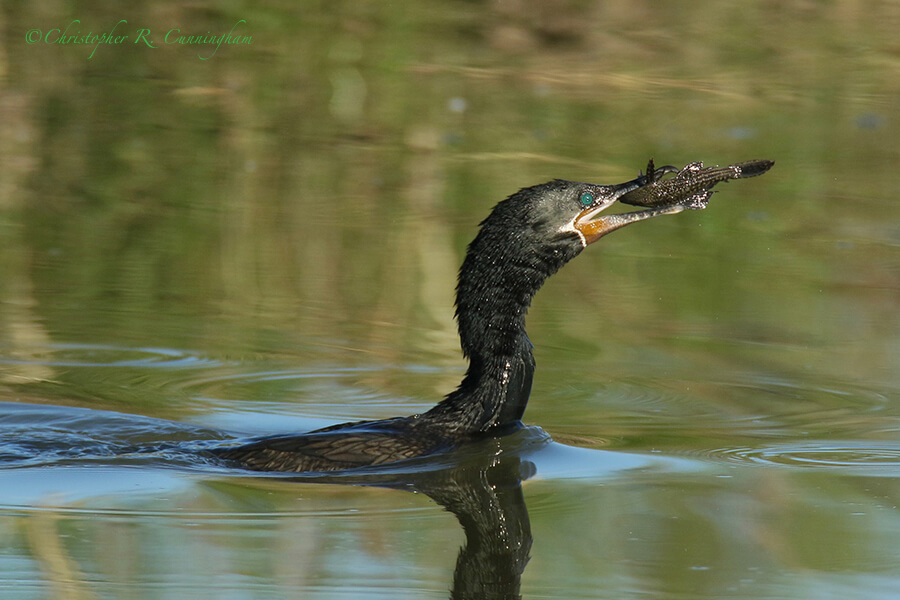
525	239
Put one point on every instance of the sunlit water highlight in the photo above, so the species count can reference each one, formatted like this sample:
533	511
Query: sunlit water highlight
69	453
64	466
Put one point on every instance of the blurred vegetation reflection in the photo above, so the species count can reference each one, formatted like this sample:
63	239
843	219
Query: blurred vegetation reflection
337	166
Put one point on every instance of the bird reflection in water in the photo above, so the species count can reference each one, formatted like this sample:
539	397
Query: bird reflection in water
482	488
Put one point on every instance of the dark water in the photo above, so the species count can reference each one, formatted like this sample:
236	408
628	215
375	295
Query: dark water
194	251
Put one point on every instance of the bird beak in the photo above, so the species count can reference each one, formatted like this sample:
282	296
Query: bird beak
591	228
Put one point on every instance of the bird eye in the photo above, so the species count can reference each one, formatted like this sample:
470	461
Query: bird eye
587	199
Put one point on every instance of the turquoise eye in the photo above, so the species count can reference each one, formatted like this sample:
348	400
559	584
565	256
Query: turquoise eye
587	199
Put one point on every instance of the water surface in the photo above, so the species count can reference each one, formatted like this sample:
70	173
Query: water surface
200	251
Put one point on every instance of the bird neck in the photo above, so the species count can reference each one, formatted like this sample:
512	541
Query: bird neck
492	394
497	282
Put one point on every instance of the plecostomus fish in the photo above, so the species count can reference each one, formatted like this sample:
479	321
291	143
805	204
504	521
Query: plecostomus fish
692	186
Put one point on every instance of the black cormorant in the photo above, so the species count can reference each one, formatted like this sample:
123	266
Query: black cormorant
524	240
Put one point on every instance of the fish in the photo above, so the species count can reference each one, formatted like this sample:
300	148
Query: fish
691	187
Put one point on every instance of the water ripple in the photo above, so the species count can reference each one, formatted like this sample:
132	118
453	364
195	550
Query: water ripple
869	458
102	355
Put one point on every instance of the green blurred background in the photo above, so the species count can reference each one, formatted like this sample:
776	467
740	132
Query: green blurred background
318	186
